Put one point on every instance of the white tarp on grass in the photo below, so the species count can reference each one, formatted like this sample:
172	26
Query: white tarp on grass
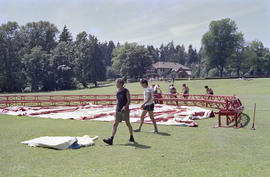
61	142
164	114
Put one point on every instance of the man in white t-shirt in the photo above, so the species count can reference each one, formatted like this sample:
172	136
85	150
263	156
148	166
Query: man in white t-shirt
147	106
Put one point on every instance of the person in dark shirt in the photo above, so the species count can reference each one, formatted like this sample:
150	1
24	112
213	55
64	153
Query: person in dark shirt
122	111
185	90
173	92
209	90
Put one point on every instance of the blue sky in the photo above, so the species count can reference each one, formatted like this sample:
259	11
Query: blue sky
150	22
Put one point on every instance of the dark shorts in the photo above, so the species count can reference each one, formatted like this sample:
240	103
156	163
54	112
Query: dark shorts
122	116
149	107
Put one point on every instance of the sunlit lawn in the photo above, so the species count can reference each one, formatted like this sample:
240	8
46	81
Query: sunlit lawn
177	151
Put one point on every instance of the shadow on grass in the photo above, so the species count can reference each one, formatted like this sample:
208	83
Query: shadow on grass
160	133
163	134
136	145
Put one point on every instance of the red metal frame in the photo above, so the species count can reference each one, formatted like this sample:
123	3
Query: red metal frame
229	106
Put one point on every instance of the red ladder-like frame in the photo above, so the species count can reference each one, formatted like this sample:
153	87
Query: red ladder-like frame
229	106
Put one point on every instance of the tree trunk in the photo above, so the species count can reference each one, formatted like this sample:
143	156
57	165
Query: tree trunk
238	72
221	71
84	85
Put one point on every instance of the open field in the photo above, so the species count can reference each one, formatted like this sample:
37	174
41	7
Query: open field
176	151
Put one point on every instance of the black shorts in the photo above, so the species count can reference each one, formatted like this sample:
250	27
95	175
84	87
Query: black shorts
149	107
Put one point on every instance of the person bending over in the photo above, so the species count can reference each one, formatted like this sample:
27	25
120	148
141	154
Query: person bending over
208	90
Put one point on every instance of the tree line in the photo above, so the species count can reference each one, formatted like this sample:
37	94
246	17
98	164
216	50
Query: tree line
38	57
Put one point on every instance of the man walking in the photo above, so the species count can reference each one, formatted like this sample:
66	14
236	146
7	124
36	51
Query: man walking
147	106
122	111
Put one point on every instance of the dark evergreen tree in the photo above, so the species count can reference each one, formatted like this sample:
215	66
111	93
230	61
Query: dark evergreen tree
181	54
97	69
107	49
154	53
65	36
89	64
12	77
192	56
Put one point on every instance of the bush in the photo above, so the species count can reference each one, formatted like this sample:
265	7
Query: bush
132	80
213	73
27	89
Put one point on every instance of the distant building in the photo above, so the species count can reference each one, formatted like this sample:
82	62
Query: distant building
168	70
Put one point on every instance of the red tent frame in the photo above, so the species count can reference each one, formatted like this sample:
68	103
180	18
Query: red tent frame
229	106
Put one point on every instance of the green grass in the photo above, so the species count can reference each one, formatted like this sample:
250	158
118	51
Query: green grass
178	151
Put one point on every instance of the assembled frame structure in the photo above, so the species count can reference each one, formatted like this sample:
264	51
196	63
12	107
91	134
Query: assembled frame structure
228	106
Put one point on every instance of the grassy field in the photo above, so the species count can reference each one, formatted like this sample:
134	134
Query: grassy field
176	151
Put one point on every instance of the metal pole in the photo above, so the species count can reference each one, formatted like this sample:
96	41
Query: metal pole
253	126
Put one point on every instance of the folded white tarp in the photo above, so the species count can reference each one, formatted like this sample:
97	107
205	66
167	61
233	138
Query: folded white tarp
61	142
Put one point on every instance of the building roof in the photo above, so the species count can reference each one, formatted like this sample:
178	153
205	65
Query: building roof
170	65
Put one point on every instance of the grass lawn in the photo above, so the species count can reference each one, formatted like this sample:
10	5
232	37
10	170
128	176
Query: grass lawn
177	151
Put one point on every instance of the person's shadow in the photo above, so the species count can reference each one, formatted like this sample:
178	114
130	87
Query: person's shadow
136	145
163	134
